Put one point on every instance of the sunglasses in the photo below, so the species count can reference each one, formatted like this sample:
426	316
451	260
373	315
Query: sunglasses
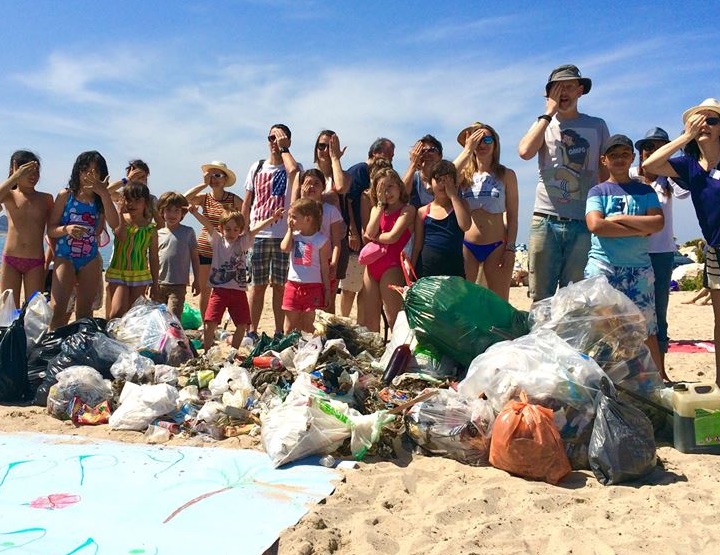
271	138
322	146
429	149
488	139
217	175
712	120
649	147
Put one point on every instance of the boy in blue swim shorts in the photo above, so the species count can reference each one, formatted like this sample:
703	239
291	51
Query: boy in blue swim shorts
621	213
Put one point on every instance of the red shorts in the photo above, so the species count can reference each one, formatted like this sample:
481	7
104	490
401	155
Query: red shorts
303	297
234	300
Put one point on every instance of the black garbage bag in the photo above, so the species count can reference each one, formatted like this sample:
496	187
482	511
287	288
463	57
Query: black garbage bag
64	347
14	387
622	444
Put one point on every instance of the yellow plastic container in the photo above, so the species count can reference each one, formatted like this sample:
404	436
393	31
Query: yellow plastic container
696	418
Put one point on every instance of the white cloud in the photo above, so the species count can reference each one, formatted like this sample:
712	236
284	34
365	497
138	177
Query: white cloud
180	119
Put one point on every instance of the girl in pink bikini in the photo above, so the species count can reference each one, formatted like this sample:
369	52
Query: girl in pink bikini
391	220
23	260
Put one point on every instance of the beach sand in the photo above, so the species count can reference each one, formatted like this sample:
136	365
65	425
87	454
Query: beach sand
432	505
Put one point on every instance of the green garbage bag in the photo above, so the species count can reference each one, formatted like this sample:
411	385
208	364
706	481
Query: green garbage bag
190	318
459	318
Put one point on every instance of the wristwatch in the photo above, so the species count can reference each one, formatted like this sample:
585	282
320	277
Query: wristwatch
545	117
284	150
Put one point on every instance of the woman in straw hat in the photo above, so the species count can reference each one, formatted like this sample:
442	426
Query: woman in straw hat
217	176
492	195
698	170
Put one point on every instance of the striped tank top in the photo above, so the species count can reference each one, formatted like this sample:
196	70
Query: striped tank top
213	210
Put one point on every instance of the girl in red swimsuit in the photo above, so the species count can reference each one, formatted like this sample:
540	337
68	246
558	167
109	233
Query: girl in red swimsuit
391	220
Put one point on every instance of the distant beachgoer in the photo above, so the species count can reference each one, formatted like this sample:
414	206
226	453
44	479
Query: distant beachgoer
218	177
23	260
134	264
76	221
491	192
698	170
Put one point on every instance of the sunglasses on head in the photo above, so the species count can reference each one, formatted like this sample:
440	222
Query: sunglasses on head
271	138
488	139
217	175
712	120
322	146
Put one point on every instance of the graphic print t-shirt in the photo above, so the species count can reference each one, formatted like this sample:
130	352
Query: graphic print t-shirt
305	258
227	270
568	165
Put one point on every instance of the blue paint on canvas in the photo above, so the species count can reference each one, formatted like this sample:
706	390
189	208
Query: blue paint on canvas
67	496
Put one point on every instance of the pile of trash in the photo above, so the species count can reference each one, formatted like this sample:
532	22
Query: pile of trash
465	376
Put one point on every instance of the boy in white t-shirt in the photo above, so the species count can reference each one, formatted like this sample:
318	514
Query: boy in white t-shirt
228	277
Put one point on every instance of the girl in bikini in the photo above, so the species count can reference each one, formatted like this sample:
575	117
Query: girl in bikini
23	259
76	221
391	219
214	204
134	264
491	192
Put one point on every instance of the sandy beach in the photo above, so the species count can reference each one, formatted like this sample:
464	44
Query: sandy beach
431	505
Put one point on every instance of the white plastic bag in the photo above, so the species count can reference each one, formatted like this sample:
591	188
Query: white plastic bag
37	318
129	365
231	377
7	308
142	405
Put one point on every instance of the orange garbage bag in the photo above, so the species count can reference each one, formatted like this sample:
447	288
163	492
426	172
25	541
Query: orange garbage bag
526	442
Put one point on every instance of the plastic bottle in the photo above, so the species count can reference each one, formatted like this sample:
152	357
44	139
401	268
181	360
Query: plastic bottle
223	335
398	363
272	362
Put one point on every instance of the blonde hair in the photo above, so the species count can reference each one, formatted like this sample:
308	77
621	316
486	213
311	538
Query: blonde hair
309	207
382	172
472	167
232	216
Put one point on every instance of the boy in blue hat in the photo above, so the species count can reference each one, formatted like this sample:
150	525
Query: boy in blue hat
621	213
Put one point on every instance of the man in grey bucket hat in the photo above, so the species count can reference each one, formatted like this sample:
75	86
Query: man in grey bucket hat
568	145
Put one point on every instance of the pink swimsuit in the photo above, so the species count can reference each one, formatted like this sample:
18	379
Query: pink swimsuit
392	257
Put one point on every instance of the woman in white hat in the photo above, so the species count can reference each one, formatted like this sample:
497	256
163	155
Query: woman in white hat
698	170
492	195
217	176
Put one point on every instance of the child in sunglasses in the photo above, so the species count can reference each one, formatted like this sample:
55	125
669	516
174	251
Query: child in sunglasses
698	170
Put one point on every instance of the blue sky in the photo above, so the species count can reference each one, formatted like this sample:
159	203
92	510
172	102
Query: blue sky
183	83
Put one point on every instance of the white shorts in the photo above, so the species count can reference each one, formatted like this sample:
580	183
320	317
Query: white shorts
712	269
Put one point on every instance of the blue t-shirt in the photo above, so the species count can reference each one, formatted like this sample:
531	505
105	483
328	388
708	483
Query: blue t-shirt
614	199
704	190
